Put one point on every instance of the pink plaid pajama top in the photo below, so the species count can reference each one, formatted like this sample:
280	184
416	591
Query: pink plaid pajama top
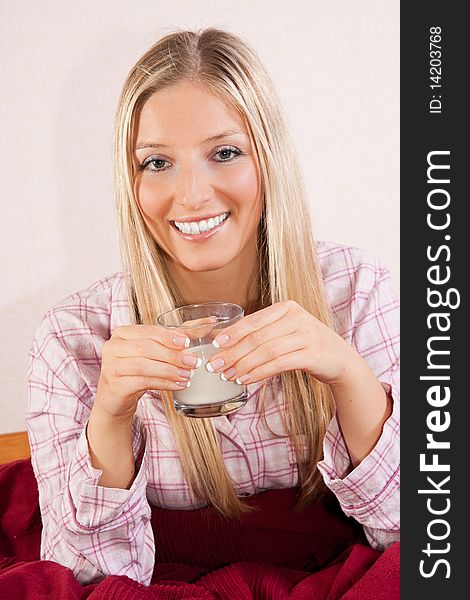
96	531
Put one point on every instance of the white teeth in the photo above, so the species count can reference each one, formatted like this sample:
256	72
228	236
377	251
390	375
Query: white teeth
195	227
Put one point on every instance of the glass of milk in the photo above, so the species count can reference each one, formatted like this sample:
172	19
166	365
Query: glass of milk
207	395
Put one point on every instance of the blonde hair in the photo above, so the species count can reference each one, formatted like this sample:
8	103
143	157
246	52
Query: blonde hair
288	268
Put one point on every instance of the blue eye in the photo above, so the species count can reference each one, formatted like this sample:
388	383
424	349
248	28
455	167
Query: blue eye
157	164
226	152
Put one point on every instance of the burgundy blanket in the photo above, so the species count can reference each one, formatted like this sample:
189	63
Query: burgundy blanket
271	554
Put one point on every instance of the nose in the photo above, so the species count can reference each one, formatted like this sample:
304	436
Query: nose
193	188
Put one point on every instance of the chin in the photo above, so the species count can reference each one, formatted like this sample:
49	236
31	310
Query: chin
205	267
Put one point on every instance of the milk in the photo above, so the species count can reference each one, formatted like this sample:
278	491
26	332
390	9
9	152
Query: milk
207	388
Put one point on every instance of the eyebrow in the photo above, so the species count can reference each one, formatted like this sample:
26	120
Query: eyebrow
213	138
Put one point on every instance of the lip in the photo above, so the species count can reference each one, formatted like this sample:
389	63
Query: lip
203	218
199	237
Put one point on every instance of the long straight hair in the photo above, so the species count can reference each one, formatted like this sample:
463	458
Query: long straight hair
288	269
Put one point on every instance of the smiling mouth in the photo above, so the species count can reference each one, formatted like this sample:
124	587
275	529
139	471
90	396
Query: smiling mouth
198	227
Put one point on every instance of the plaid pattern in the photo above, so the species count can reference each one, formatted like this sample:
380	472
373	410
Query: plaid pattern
97	531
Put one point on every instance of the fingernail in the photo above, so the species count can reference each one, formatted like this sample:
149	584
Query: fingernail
192	361
227	374
181	340
183	384
243	379
185	373
220	341
215	365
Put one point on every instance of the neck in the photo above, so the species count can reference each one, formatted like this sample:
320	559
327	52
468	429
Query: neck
237	282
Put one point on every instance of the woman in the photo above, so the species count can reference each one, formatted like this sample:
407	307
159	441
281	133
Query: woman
211	207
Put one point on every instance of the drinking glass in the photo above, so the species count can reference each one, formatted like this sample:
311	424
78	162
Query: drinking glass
208	395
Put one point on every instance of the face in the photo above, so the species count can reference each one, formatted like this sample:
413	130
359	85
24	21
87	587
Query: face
197	178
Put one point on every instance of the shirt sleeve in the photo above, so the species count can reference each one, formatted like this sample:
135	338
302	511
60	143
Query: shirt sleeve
93	530
370	492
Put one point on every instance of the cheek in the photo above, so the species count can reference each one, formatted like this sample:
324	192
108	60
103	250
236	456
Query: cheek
149	198
244	185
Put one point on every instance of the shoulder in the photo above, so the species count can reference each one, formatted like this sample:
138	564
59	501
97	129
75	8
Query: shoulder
82	321
95	291
340	262
92	304
352	278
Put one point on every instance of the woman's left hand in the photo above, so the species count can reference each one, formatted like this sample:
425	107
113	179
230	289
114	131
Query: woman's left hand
283	337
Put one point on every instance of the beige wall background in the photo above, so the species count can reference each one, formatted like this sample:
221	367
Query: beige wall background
335	63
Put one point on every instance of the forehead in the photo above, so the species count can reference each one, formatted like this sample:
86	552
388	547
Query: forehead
185	112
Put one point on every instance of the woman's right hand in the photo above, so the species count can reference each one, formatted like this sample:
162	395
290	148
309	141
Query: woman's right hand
138	358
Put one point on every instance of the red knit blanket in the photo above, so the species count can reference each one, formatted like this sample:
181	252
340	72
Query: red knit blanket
273	553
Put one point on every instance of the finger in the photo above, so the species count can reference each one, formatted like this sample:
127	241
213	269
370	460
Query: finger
141	366
152	350
259	338
168	337
267	353
143	383
251	323
286	362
